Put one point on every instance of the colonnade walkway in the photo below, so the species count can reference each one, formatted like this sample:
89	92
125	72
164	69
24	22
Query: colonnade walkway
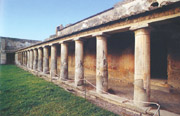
167	99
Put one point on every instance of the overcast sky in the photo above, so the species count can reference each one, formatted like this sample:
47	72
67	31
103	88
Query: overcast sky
38	19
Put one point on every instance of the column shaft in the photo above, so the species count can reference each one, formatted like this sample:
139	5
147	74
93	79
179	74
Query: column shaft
64	61
31	59
101	64
79	59
142	66
28	59
35	59
40	60
46	60
21	58
53	61
24	58
16	58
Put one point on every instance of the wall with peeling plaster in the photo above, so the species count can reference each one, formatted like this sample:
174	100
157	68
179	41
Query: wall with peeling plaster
174	61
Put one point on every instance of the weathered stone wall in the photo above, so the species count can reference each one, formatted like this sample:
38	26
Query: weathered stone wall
10	45
174	60
90	56
2	51
13	44
121	57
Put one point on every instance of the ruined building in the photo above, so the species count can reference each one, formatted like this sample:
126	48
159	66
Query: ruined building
8	46
132	48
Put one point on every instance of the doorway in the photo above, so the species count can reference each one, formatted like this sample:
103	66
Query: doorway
10	58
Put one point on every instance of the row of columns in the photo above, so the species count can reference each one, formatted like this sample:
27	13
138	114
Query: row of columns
142	63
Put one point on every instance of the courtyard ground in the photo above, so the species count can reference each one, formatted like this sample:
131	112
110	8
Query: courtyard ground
22	93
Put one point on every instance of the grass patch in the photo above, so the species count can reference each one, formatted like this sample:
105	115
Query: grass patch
23	94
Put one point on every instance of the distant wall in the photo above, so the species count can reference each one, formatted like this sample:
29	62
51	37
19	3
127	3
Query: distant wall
10	45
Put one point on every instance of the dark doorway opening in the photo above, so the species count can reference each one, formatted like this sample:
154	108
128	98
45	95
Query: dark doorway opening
158	56
10	58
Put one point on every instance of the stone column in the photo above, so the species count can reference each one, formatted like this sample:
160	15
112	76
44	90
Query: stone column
79	59
28	59
40	60
31	59
64	61
101	63
25	59
16	58
53	61
21	58
45	60
142	66
35	59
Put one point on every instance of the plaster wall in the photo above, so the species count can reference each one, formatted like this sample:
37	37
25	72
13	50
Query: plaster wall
120	57
174	60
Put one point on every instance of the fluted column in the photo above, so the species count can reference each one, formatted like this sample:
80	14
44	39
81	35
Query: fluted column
40	60
64	61
45	60
101	63
142	66
35	59
79	59
53	61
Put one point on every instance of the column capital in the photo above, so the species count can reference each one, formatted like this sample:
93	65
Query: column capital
139	26
52	44
78	39
39	47
101	34
63	42
45	46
